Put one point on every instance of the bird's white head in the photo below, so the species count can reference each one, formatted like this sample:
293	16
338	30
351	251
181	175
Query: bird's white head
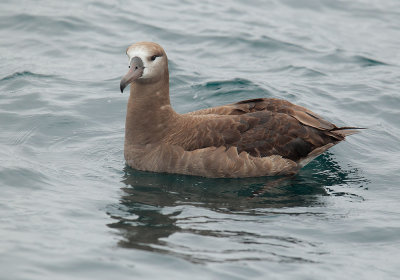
148	63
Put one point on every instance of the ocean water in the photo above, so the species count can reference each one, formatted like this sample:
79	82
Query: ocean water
71	209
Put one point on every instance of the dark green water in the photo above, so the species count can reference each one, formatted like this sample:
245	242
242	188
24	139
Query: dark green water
71	209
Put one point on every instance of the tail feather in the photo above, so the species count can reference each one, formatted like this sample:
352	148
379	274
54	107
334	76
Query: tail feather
339	133
346	130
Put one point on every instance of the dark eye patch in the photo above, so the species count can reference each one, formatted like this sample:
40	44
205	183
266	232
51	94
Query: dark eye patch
154	57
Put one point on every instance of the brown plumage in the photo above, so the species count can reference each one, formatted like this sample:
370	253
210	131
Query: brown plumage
257	137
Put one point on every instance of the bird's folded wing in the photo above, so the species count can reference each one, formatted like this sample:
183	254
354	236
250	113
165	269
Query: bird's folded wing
300	113
257	132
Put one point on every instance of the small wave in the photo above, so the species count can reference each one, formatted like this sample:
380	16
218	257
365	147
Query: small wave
30	177
300	69
344	57
49	24
243	88
234	82
367	62
25	74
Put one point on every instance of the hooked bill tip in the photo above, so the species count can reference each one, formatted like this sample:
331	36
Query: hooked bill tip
122	85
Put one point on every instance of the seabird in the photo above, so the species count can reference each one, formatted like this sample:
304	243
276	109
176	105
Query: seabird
257	137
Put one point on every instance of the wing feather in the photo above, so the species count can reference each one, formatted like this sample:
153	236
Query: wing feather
261	127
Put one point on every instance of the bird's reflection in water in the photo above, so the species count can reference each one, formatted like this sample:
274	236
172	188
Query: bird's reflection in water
156	207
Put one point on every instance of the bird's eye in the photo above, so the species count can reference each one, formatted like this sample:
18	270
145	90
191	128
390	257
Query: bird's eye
129	66
154	57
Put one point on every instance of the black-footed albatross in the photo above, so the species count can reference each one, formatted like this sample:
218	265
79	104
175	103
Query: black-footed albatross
257	137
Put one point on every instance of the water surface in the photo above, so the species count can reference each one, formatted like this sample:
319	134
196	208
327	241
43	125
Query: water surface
71	209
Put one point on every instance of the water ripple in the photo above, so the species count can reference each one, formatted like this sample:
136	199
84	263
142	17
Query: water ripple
69	205
25	74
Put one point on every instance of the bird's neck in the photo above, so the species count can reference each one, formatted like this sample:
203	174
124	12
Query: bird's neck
149	112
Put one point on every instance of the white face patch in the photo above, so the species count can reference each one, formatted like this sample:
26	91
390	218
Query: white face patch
139	51
151	67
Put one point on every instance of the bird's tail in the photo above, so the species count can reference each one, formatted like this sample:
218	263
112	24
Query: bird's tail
346	130
339	133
